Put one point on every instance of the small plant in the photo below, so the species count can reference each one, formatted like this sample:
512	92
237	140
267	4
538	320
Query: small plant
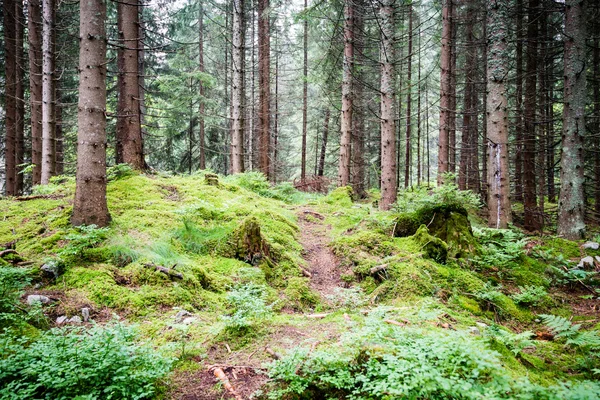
514	342
350	298
119	171
12	282
530	295
248	305
562	328
85	237
97	363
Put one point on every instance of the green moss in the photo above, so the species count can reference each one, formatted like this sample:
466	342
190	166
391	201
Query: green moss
341	196
467	304
299	296
567	248
530	273
431	246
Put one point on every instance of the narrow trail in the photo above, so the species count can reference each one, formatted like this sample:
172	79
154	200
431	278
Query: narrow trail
323	265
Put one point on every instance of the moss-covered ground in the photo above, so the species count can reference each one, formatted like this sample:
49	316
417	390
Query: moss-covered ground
239	292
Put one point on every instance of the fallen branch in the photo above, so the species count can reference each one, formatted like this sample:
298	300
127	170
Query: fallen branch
316	316
383	267
167	271
8	251
378	268
39	196
306	272
272	353
228	386
394	322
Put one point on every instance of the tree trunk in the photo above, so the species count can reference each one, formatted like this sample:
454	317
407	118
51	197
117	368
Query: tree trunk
264	76
497	115
408	154
596	113
445	63
530	206
274	164
347	95
357	155
324	143
519	104
201	107
304	95
34	27
90	193
452	111
129	131
419	147
237	89
48	94
466	152
388	126
571	203
19	95
60	137
10	57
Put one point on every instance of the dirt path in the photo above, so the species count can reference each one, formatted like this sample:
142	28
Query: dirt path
321	262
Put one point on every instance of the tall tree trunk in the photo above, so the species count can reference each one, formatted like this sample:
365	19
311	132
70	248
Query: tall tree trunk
141	49
466	152
48	94
275	164
60	137
201	107
408	155
304	95
264	76
19	95
542	107
519	104
419	166
484	119
357	156
571	204
452	111
90	205
388	127
34	27
445	103
129	130
10	63
347	95
324	143
237	89
497	115
530	206
596	112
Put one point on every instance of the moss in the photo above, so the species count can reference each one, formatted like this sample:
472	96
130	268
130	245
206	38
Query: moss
406	225
567	248
530	272
299	296
341	196
467	304
431	246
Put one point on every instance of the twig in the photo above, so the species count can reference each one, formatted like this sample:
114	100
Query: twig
8	251
228	386
316	316
272	353
167	271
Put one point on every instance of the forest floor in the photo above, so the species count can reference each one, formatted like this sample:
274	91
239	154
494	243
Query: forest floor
334	281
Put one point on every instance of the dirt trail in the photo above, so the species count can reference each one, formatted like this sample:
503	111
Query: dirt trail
322	263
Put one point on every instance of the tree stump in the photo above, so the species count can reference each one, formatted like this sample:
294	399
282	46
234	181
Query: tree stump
211	179
248	242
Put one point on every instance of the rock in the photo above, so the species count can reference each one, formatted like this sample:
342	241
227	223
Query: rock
481	325
37	298
474	331
586	262
85	312
591	245
597	258
61	320
75	320
183	313
189	320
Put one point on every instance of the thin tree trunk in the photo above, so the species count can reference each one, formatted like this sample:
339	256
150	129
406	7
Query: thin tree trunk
388	128
34	27
275	165
497	116
48	93
408	155
530	205
90	206
519	104
596	112
445	103
452	111
201	107
304	95
419	166
129	131
466	152
10	57
19	95
347	95
60	137
264	76
324	143
358	113
237	89
571	204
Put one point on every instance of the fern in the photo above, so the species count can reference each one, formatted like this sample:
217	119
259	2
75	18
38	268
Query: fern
589	339
563	328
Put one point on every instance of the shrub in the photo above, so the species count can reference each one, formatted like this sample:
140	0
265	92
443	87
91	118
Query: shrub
99	363
530	295
12	282
248	305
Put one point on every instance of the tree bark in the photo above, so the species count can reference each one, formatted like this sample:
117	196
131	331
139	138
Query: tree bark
497	115
34	27
452	99
519	104
19	95
408	154
347	95
304	95
129	130
388	126
48	94
201	107
596	56
237	89
571	203
264	76
90	205
530	206
10	62
445	63
357	156
324	143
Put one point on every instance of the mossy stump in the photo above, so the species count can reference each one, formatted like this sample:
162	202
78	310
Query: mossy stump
248	242
432	247
211	179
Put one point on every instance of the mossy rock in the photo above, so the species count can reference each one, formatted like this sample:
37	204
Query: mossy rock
248	244
432	247
341	196
211	179
455	229
406	224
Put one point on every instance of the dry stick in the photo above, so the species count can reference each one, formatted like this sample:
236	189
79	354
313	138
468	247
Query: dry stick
6	252
394	322
306	272
228	386
317	316
272	353
168	271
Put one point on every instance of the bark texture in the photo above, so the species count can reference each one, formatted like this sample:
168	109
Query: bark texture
347	98
264	64
10	62
34	26
304	97
497	115
48	94
571	203
237	89
388	126
90	192
445	64
321	169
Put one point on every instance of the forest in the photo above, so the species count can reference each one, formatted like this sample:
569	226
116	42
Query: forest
287	199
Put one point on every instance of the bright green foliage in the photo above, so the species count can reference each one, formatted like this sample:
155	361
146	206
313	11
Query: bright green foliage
12	282
530	295
564	329
493	299
95	363
500	248
299	294
248	306
515	342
